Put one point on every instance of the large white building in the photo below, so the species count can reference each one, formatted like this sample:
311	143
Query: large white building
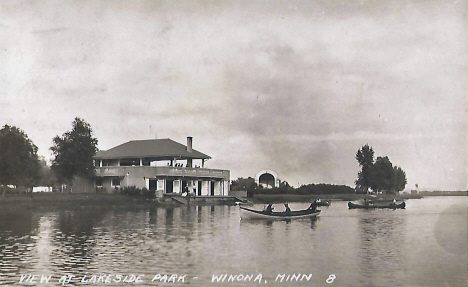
159	164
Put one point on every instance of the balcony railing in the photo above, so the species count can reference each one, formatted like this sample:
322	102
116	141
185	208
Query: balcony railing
150	171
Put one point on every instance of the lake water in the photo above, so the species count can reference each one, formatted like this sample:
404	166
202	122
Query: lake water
423	245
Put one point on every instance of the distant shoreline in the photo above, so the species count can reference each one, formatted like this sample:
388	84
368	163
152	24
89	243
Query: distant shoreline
276	198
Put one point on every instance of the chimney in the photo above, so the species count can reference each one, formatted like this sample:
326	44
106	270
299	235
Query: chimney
189	144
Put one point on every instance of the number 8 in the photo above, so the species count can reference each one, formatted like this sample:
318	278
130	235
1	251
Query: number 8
331	278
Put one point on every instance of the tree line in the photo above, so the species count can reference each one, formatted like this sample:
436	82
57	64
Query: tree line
249	185
72	152
379	176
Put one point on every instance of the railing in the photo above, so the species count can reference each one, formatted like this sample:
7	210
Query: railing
161	171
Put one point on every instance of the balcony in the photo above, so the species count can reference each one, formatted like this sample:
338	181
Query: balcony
154	171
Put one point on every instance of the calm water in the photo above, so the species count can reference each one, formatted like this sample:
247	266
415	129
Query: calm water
424	245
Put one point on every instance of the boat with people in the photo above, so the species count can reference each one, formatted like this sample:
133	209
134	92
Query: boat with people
367	204
268	213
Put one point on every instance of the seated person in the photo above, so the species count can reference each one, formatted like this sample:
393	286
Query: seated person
367	201
269	208
313	206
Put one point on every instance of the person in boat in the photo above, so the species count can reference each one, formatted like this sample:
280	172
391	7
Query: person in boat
269	208
287	209
313	206
394	202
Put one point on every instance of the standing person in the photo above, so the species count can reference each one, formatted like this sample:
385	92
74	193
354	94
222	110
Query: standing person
287	209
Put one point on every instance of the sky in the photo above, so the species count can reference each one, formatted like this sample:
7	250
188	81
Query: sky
296	87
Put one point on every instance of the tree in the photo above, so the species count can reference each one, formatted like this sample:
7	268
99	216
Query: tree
244	184
74	152
47	175
19	163
399	179
382	175
365	158
379	175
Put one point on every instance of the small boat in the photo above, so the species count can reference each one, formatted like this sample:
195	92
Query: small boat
392	205
248	213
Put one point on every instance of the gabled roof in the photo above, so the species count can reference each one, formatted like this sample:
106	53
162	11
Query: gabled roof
156	148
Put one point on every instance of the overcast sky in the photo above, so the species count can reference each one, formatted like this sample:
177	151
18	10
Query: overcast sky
296	87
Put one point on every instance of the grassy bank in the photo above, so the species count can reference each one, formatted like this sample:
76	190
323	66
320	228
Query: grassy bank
71	200
99	200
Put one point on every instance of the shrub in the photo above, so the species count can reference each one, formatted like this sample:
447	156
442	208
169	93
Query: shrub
135	191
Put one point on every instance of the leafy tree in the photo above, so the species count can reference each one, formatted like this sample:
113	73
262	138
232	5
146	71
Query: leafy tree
399	179
365	158
74	152
244	184
379	175
47	175
19	164
382	175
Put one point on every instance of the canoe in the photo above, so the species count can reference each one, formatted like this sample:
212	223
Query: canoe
376	205
248	213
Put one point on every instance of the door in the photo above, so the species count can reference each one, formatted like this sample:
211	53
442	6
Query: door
169	186
212	188
152	184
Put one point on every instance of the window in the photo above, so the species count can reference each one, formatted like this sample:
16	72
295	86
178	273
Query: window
116	181
99	181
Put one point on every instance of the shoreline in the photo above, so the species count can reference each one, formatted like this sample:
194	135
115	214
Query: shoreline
74	200
279	198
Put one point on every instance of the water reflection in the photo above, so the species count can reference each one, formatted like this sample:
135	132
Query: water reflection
17	243
382	245
363	248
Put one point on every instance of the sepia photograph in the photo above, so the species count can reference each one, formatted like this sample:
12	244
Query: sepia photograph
234	143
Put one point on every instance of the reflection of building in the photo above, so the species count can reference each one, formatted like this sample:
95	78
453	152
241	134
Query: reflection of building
267	179
159	164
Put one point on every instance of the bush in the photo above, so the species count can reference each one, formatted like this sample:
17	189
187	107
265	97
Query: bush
135	191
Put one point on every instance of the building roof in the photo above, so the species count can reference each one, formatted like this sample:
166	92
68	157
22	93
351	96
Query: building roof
156	148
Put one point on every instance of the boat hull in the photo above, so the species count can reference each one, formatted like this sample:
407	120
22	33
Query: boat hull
247	213
376	206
